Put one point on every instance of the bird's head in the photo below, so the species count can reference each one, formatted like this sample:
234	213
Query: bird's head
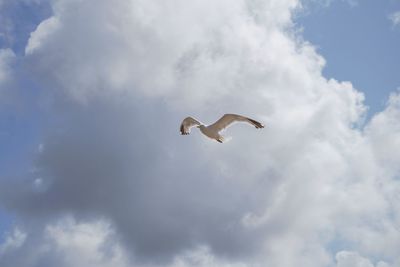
201	126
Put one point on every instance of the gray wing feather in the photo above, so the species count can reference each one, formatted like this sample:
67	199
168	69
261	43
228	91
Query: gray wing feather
228	119
187	124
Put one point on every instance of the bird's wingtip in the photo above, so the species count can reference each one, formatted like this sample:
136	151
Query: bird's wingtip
256	124
182	130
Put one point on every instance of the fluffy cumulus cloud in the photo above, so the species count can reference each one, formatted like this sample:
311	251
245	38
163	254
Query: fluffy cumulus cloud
114	184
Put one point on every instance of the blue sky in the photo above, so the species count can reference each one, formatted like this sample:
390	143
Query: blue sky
20	18
356	38
19	120
360	45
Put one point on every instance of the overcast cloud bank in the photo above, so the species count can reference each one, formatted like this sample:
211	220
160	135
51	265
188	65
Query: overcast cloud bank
114	184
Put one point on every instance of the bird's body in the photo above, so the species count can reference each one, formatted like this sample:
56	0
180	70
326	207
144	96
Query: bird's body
213	131
210	133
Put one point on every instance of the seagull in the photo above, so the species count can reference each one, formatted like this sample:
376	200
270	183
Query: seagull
213	131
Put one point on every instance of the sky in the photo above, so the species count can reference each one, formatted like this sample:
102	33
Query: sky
93	171
360	43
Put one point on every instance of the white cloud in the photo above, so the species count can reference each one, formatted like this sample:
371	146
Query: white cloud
130	71
85	244
13	241
353	259
384	133
45	28
67	243
395	18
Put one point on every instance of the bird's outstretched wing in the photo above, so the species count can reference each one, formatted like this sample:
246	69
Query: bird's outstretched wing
228	119
188	123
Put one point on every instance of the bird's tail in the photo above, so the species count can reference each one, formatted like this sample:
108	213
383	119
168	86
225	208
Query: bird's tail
222	139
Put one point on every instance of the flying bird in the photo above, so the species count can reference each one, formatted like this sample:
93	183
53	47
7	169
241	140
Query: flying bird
213	131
